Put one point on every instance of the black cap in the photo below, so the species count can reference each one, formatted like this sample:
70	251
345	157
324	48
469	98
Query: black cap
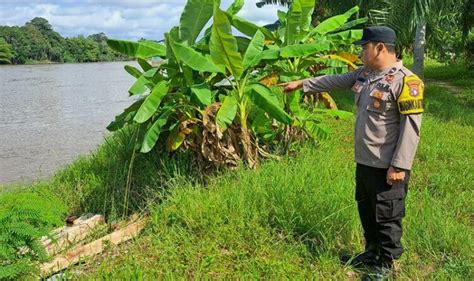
381	34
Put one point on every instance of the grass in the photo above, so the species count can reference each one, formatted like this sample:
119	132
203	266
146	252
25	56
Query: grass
290	218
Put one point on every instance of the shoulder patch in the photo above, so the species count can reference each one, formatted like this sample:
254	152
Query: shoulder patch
411	98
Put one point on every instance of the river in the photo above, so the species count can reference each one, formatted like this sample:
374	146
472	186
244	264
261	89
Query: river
51	114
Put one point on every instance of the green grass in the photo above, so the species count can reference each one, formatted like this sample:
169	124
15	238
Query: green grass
293	218
290	218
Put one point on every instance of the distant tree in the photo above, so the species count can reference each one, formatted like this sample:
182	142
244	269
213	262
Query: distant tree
6	53
37	41
41	23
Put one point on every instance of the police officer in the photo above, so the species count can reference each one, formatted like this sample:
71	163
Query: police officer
389	100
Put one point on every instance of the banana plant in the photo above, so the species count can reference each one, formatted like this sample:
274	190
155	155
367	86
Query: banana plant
208	94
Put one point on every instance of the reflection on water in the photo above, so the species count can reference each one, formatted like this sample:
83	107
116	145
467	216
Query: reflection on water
50	114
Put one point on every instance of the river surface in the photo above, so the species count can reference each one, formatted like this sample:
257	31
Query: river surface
51	114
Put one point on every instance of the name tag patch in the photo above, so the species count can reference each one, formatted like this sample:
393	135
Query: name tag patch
383	87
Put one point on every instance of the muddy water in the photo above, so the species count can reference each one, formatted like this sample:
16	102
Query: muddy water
51	114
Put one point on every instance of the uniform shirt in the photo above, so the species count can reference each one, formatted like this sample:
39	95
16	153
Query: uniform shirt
389	107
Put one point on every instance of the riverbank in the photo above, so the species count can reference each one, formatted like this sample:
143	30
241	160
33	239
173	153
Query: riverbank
288	219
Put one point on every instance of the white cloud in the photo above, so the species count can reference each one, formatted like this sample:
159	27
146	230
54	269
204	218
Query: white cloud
125	19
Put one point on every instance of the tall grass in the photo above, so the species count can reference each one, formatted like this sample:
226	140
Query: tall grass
293	218
290	218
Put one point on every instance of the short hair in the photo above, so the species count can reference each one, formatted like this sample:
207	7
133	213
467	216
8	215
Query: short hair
390	48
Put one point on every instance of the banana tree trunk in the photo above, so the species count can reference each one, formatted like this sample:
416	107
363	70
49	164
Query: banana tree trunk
419	51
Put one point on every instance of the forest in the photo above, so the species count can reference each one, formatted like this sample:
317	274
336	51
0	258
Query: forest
37	42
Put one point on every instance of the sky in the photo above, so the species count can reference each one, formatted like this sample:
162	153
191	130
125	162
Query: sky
120	19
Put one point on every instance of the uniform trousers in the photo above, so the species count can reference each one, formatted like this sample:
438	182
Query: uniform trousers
381	209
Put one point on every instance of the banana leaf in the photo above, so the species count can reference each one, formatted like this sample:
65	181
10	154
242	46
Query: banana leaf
194	59
351	24
143	83
263	98
144	64
293	21
299	50
331	24
223	45
333	70
202	93
152	135
151	103
253	54
249	28
242	44
345	37
125	117
235	7
133	71
142	49
307	8
227	112
195	15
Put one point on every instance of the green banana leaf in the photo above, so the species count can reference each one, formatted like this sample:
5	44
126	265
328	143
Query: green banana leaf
195	15
317	130
352	23
307	8
333	70
226	114
235	7
144	64
202	93
345	37
270	54
262	125
249	28
152	135
125	117
143	83
194	59
242	44
331	24
133	71
293	21
142	49
223	45
299	50
263	98
151	103
253	54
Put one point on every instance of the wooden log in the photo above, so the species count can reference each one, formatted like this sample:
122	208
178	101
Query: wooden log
69	235
73	256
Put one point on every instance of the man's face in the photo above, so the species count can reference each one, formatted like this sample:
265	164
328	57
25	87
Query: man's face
368	54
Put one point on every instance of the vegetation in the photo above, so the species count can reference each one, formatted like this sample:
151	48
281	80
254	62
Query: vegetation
290	218
435	27
25	216
36	41
218	96
5	52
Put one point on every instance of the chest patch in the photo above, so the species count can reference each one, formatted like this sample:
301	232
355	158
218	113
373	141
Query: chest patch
411	98
383	87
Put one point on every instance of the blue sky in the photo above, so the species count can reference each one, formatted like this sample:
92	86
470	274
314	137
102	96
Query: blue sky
124	19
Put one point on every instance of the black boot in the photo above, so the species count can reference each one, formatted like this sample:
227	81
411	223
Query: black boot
383	270
367	258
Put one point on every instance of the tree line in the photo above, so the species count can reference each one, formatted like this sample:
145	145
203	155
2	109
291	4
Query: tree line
36	41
